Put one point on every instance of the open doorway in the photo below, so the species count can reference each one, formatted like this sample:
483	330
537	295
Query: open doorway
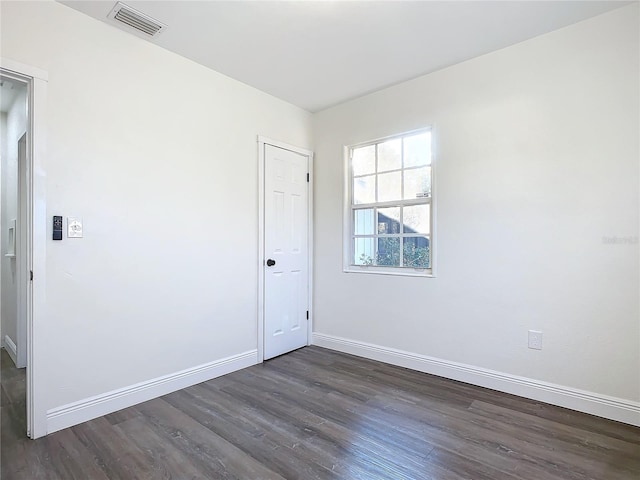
14	247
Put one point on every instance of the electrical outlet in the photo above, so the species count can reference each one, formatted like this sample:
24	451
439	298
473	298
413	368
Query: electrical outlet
535	339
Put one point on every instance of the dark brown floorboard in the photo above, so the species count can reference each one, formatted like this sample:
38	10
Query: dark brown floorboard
318	414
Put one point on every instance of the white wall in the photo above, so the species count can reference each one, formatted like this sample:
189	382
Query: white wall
16	124
3	159
158	156
537	161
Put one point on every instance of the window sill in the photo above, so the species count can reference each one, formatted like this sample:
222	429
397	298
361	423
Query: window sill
398	272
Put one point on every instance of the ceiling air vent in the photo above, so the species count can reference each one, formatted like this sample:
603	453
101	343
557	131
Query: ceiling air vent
137	20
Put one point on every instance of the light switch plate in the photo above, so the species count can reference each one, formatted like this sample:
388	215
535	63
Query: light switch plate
535	339
74	227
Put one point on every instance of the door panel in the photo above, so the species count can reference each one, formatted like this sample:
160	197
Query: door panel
286	243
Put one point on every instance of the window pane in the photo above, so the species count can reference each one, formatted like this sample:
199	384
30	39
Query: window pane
417	150
389	187
417	183
390	155
416	219
415	252
363	251
363	222
389	220
388	252
364	160
364	189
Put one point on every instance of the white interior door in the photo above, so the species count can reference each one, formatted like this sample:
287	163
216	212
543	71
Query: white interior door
24	252
286	279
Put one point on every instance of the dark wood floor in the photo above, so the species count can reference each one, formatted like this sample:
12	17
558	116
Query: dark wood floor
316	414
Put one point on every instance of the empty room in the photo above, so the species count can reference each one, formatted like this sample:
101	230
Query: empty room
320	240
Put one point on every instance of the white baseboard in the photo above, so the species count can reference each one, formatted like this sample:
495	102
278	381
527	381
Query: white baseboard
93	407
11	348
618	409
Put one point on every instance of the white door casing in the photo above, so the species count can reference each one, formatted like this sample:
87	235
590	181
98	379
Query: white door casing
286	250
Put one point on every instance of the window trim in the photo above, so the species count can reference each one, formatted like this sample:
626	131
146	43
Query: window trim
347	233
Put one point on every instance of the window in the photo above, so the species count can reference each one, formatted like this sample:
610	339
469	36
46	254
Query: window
390	206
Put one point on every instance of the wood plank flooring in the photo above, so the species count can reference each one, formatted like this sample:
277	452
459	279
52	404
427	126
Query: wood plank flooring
318	414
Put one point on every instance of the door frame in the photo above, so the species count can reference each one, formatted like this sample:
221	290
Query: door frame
31	292
262	143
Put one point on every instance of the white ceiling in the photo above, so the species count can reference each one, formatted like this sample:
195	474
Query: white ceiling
316	54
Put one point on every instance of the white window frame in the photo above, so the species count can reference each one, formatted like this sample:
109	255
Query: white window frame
348	266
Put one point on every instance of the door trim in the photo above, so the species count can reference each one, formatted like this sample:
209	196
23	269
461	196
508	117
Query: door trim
262	143
36	230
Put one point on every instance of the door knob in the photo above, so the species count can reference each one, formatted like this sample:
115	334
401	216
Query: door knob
271	263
